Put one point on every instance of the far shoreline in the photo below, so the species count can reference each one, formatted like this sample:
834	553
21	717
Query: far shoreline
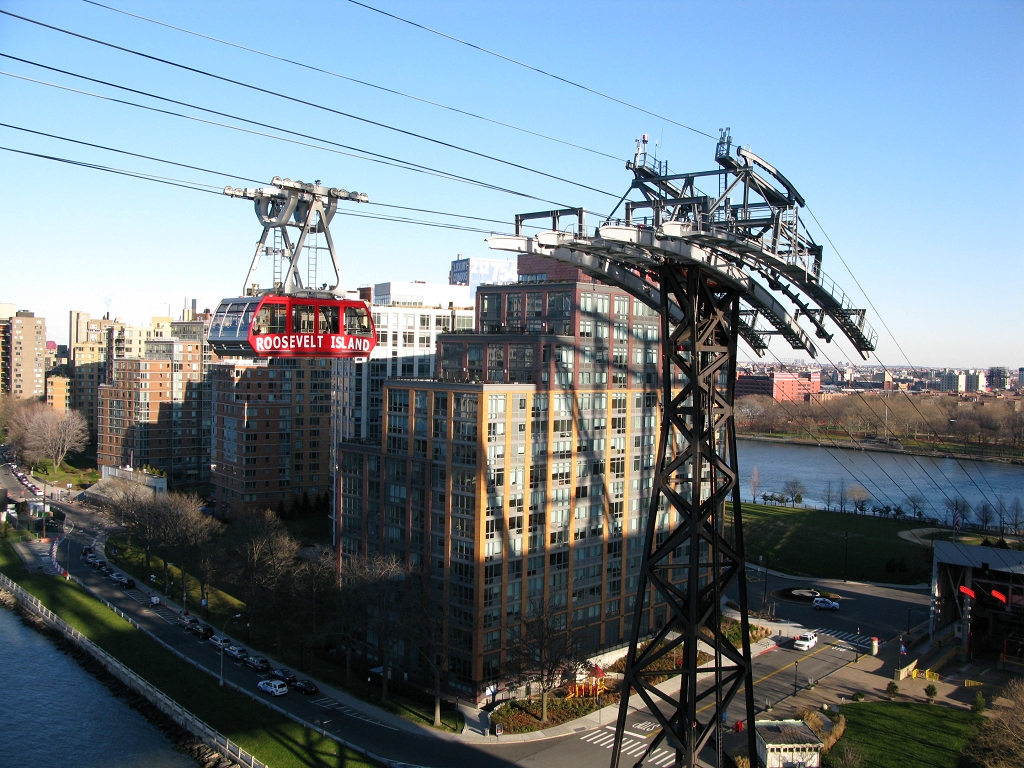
853	445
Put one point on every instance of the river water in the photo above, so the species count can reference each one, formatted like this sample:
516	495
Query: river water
57	714
888	477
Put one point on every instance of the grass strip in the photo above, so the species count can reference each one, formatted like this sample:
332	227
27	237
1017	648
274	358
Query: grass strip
895	735
270	736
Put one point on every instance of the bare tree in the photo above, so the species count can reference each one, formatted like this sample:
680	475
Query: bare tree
829	496
843	496
54	434
197	537
917	504
985	513
386	610
794	490
266	558
860	497
20	421
545	651
1015	515
124	503
1000	741
755	483
430	615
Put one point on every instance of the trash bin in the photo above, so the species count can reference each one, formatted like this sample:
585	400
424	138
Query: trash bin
739	726
874	646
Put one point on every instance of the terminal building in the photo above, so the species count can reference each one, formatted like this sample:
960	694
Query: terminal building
978	601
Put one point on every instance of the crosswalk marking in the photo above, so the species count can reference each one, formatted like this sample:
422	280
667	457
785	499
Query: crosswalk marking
849	637
630	747
328	703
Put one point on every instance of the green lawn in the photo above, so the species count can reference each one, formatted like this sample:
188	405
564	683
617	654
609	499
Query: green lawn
77	470
900	735
811	542
271	737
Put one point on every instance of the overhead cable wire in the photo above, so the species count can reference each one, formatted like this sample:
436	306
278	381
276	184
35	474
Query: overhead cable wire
366	155
905	357
870	456
218	190
126	152
532	68
314	105
193	185
366	83
231	175
868	478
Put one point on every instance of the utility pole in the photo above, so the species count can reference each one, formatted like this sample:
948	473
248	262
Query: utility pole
846	556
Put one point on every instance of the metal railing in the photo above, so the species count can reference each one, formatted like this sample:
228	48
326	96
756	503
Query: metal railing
184	718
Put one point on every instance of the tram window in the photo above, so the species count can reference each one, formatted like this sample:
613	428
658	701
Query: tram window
328	319
246	321
218	319
229	327
303	318
271	319
357	321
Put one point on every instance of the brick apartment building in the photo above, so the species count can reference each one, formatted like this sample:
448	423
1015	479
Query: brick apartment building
151	411
781	386
272	432
520	476
23	355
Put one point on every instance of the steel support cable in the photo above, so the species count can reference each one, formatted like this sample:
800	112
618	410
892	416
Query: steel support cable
866	480
372	157
194	186
235	176
218	190
532	68
905	357
871	456
314	105
860	395
385	89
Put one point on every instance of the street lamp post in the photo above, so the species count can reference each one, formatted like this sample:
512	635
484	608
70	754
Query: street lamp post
764	598
222	632
69	526
796	670
846	557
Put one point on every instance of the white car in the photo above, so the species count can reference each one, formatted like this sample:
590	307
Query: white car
824	604
219	642
273	687
806	641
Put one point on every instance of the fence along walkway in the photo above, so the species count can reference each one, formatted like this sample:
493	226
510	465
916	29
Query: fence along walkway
158	698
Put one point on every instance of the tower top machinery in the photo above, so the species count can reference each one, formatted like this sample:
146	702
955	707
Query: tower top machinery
291	319
718	266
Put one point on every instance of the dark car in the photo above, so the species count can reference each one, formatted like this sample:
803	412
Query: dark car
305	687
107	570
128	583
202	632
257	663
284	674
99	565
86	551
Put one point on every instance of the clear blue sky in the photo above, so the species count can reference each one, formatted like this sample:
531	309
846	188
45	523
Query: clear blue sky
899	122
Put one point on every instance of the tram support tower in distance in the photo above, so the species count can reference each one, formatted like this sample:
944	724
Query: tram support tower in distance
736	263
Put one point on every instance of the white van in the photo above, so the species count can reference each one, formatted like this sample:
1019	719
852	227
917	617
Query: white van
273	687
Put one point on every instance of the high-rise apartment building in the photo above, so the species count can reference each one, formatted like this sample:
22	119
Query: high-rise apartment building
998	378
151	411
519	478
87	350
23	355
406	348
58	392
976	381
272	431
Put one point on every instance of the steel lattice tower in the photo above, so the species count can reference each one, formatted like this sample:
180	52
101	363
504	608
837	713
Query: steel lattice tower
703	262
